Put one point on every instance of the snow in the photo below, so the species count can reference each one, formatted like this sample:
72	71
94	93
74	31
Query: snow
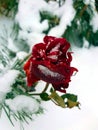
3	25
85	85
2	98
6	33
11	44
94	22
85	43
66	13
21	55
31	38
28	16
22	103
91	2
7	80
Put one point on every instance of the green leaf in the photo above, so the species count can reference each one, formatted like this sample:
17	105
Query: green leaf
51	90
69	96
71	100
44	96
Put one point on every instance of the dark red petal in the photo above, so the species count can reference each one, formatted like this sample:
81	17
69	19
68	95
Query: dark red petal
69	57
28	69
61	87
27	64
73	69
65	47
53	56
31	79
48	39
38	50
58	44
45	74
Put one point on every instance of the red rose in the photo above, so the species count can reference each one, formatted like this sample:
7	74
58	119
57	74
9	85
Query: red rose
50	62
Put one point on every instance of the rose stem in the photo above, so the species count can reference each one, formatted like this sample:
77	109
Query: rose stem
46	87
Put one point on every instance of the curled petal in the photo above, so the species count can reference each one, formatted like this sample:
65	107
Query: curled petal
38	50
48	39
27	64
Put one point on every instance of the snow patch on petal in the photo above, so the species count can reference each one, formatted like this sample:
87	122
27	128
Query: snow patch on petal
48	72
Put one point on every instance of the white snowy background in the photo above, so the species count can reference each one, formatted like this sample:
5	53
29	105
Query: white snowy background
84	83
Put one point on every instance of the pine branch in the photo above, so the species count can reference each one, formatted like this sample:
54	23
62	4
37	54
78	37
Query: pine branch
8	7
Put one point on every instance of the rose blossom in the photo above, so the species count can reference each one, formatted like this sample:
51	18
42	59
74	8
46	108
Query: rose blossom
50	61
